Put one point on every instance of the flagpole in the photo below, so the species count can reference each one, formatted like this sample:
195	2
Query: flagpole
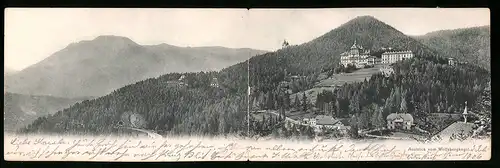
248	97
465	112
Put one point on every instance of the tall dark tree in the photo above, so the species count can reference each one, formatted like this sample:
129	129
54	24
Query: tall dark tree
354	105
379	121
305	102
353	122
337	108
286	100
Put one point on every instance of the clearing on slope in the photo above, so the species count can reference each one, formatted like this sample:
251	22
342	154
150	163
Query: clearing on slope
337	80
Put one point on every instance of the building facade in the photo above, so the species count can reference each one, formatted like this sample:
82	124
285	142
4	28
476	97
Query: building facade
394	56
451	61
360	57
214	83
399	121
357	56
323	121
372	60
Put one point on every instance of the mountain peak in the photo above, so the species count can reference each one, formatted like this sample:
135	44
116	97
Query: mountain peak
109	37
363	20
365	17
102	41
113	38
360	29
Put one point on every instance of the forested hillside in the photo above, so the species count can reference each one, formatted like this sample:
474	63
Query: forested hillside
195	109
323	54
432	91
419	87
467	44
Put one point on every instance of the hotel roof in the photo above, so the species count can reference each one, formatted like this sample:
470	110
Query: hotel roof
393	52
325	120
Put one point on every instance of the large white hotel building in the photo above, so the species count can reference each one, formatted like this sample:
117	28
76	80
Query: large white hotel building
359	56
393	56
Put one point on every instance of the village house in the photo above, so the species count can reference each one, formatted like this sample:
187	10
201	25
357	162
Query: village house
386	48
214	83
323	121
181	81
451	61
455	129
177	83
399	121
284	84
182	77
295	78
306	121
344	129
327	122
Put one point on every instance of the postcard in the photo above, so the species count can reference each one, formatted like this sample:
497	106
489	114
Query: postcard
167	85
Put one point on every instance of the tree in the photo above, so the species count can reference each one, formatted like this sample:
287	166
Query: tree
286	100
353	122
379	121
264	120
305	102
276	104
337	107
374	109
270	100
364	120
331	109
354	104
309	132
350	68
283	114
397	98
403	108
260	100
296	101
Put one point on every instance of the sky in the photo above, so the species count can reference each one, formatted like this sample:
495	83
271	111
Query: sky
32	34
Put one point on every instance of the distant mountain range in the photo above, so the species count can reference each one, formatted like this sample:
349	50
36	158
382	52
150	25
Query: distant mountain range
21	110
466	44
99	66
